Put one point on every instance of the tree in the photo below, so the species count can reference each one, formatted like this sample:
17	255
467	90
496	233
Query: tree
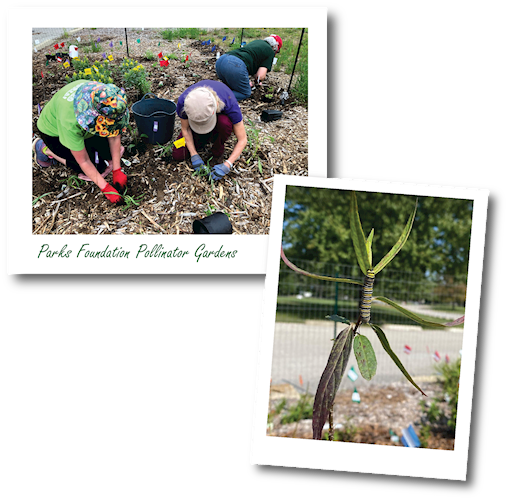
316	228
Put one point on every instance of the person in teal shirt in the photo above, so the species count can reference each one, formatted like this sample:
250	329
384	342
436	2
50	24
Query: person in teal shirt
80	128
254	59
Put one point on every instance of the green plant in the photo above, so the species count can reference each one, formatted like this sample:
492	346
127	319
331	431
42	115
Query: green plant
210	210
73	181
346	433
128	200
252	140
38	198
149	55
302	410
205	171
350	339
134	76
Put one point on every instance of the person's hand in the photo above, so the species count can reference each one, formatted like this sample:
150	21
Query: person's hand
111	193
197	162
219	171
119	179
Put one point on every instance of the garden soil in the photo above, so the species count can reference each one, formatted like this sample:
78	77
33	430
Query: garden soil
382	408
170	198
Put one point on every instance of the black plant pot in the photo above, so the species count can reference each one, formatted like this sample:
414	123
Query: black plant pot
217	223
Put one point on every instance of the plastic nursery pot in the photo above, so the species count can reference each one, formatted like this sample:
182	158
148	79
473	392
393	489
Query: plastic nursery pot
217	223
155	118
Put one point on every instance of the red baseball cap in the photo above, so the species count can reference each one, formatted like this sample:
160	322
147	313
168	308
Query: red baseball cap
279	40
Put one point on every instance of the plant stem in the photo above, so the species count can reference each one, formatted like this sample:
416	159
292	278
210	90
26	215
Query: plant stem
330	424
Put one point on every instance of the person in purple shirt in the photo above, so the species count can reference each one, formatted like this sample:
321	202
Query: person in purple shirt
209	112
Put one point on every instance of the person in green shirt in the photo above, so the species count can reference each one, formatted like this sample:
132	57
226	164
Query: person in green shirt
80	128
254	59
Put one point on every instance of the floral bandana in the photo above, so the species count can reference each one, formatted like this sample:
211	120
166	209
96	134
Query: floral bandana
101	109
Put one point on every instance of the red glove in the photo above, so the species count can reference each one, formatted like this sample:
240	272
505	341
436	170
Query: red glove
119	179
111	193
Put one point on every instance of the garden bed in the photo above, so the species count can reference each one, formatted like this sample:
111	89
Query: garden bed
382	408
170	198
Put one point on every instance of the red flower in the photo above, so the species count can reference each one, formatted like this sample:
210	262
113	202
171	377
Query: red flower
56	45
163	63
62	44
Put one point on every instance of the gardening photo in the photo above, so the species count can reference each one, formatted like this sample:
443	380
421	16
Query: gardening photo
165	130
369	317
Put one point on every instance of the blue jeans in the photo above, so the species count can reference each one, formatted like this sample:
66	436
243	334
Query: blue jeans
233	72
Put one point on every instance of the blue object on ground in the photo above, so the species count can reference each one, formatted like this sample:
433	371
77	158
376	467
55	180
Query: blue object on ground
409	438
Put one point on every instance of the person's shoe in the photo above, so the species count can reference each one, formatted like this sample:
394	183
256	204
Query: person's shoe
41	159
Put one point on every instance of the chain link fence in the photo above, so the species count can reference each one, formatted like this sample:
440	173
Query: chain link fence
303	335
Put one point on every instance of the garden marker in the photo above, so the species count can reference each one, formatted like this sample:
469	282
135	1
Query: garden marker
179	45
232	41
301	380
213	48
155	126
355	397
62	44
187	58
96	158
352	375
110	57
35	49
121	43
224	39
447	358
78	39
37	42
98	39
407	349
111	44
179	143
88	71
66	64
393	437
55	46
409	438
39	109
159	55
138	40
436	356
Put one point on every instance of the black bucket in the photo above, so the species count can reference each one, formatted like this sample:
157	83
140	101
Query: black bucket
155	118
217	223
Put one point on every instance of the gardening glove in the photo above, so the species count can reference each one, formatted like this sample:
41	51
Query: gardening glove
219	171
119	179
197	163
111	193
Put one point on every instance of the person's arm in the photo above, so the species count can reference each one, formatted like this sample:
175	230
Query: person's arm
241	135
115	144
222	169
89	169
189	140
119	178
261	74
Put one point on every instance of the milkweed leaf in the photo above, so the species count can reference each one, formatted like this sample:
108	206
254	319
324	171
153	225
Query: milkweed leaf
415	317
338	319
386	346
358	237
400	243
330	380
317	276
456	322
365	356
369	246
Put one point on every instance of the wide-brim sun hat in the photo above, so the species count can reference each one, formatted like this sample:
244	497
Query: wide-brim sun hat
200	106
101	109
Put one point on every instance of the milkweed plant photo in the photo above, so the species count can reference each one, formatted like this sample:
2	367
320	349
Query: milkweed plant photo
351	338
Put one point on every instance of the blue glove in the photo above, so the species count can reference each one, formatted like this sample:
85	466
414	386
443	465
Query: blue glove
219	171
197	162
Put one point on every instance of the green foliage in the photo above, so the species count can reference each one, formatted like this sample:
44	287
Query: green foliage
317	229
171	34
134	76
149	55
301	411
365	356
440	414
97	72
346	433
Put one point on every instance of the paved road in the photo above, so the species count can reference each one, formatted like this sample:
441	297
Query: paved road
303	349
